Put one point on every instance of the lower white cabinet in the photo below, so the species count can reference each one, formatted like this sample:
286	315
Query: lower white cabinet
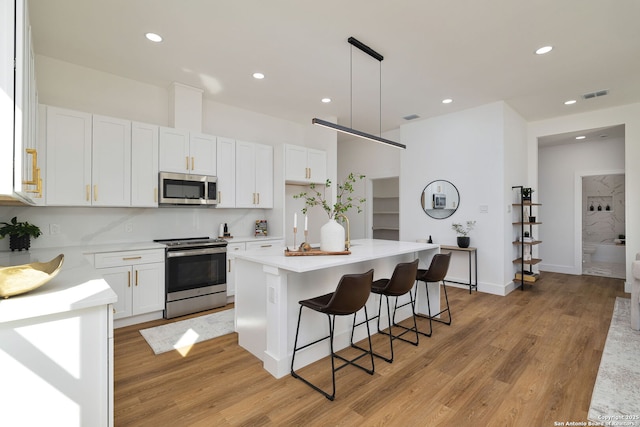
138	279
241	247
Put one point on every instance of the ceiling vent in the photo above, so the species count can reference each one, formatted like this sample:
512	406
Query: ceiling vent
595	94
411	117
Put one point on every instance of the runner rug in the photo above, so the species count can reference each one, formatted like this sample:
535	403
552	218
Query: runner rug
183	334
616	395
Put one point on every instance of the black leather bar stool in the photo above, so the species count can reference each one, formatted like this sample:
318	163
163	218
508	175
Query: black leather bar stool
436	273
349	297
400	283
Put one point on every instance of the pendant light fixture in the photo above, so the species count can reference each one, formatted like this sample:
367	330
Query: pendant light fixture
353	132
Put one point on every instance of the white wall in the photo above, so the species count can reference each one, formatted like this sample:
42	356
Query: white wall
79	88
559	168
468	149
373	160
629	115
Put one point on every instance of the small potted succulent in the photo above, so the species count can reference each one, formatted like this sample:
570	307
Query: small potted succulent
526	194
463	233
20	233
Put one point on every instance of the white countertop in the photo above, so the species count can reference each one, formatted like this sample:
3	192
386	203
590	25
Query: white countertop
78	285
361	250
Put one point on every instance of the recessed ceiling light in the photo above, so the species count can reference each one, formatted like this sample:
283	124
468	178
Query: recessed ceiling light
570	102
326	100
447	101
258	76
580	137
543	50
153	37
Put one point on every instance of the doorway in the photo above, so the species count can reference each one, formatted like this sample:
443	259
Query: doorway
385	212
603	225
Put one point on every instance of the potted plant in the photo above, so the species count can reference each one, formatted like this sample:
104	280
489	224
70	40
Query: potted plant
20	233
463	233
332	234
526	193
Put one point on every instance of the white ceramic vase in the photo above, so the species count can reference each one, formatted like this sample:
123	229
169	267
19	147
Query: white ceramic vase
332	237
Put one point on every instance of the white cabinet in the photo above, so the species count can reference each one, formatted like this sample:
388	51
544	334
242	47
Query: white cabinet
62	361
68	175
305	165
182	151
144	165
18	105
226	172
254	175
137	277
111	162
233	248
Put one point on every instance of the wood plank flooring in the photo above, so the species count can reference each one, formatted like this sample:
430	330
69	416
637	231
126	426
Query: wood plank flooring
527	359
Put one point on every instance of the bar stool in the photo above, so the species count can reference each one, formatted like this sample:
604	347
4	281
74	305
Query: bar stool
436	273
400	283
349	297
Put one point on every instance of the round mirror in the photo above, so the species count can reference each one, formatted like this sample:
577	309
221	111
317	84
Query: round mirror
440	199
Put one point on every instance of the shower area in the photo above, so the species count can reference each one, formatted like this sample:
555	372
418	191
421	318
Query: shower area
603	225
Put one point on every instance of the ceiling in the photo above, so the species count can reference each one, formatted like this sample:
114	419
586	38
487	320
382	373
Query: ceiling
474	52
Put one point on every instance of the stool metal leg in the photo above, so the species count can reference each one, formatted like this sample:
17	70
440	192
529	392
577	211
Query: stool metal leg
433	317
332	321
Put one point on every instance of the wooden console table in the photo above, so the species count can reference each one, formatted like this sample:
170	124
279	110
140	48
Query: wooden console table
469	251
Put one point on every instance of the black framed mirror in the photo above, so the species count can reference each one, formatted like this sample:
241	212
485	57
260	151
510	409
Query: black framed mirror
440	199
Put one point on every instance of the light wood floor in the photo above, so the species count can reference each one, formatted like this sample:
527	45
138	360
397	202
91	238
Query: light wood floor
527	359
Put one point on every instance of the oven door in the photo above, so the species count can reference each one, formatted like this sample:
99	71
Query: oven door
192	268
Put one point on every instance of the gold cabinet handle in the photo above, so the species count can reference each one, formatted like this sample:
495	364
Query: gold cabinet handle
192	164
229	262
258	199
254	198
88	191
187	160
219	196
34	166
95	192
136	277
131	258
128	279
155	194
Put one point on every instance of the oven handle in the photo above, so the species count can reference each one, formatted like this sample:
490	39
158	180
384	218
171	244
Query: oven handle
192	252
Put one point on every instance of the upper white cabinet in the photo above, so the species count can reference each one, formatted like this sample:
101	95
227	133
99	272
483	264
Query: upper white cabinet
254	175
144	165
19	166
111	162
226	172
305	165
68	177
182	151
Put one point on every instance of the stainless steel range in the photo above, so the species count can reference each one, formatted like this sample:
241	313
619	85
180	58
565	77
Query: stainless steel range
196	275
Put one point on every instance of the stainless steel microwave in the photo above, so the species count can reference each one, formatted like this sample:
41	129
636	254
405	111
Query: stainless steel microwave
187	189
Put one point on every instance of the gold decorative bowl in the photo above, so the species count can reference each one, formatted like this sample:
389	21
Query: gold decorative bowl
23	278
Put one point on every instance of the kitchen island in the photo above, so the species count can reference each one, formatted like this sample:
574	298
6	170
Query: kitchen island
56	346
270	284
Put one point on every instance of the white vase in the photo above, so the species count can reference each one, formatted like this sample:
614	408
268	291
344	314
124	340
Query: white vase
332	237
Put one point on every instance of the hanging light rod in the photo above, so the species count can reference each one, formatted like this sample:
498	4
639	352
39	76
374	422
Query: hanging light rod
353	132
357	133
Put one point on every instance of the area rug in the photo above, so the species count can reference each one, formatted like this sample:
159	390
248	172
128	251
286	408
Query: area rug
182	335
616	394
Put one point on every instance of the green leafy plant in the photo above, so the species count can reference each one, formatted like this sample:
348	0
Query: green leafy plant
526	192
19	229
463	230
344	200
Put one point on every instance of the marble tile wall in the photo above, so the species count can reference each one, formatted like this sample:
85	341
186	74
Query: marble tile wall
605	193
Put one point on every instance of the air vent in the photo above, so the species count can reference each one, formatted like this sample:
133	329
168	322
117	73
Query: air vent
411	117
599	93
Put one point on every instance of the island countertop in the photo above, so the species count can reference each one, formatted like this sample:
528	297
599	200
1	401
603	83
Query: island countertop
361	250
78	285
